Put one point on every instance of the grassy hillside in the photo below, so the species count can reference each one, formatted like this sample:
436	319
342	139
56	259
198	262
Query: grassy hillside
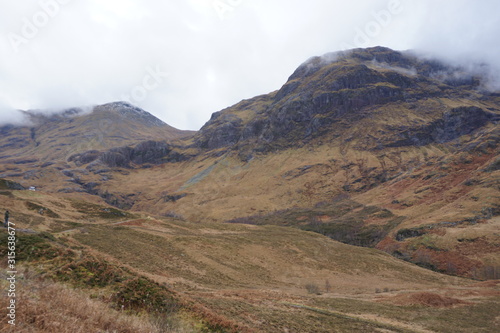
224	277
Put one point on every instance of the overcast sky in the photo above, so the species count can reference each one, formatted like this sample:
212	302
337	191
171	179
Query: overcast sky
182	60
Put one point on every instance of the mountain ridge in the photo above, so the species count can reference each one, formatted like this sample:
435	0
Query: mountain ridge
103	127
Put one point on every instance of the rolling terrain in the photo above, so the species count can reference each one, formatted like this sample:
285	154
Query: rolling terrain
363	195
195	277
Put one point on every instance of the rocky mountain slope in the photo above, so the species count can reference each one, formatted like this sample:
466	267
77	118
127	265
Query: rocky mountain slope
43	146
411	145
375	98
49	137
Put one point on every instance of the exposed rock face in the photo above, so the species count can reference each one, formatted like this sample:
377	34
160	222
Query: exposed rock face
14	137
85	158
460	121
148	152
226	131
326	94
454	123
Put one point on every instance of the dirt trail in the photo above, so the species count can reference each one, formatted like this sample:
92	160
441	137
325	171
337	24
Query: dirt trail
80	228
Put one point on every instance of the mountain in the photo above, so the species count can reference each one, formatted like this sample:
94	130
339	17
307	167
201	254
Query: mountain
380	149
372	98
371	147
51	137
413	143
47	142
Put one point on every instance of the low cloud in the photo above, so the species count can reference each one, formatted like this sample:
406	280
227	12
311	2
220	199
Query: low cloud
465	67
10	116
405	71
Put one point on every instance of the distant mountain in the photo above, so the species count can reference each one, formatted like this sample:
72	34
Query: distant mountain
55	137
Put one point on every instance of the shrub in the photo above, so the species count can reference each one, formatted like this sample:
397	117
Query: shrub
90	272
144	294
41	210
313	288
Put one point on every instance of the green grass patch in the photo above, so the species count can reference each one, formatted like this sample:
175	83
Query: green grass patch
61	225
143	294
126	290
90	272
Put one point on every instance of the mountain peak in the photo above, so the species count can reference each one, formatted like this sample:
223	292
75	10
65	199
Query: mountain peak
55	136
125	109
374	54
409	63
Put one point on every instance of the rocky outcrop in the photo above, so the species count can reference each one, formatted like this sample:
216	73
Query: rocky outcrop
222	130
148	152
85	157
454	123
14	137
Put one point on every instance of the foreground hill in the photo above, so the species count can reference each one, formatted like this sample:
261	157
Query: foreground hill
213	277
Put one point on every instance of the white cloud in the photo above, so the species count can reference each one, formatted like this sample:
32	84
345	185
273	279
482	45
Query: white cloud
96	51
9	116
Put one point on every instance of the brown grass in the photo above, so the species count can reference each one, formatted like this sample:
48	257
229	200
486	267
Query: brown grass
51	307
426	299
